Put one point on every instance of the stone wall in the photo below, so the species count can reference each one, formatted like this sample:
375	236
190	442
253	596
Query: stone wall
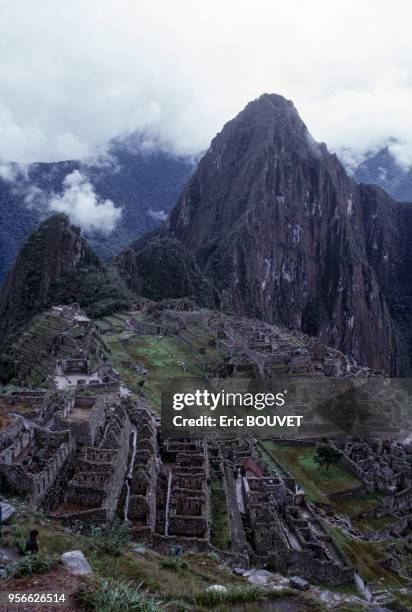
85	431
83	518
301	563
38	484
24	437
16	477
120	463
43	481
237	534
108	387
195	525
400	502
164	544
354	469
359	491
9	435
403	524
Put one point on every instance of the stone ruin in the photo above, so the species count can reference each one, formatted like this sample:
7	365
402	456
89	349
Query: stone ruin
186	503
140	502
102	435
381	465
252	347
34	459
84	417
89	455
102	457
270	521
76	372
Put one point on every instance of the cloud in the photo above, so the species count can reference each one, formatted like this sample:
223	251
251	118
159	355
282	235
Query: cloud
34	197
12	172
74	75
402	151
354	122
158	215
7	172
80	202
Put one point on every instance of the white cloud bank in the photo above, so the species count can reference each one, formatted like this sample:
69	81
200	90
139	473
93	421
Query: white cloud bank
80	202
75	74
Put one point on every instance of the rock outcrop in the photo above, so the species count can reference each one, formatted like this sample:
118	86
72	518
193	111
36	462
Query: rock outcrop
284	234
160	268
76	563
55	265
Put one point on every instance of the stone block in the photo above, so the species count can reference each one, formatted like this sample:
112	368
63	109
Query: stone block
299	583
76	563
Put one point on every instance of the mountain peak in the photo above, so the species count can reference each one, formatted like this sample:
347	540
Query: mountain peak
55	248
284	234
277	101
268	115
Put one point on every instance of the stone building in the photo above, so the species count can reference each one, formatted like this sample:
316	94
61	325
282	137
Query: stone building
33	461
141	510
84	417
186	502
383	466
94	488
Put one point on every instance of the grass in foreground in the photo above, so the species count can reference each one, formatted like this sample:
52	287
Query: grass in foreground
36	564
150	571
112	596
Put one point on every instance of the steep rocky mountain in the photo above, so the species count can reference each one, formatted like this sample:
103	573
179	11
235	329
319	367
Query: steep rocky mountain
145	184
382	169
160	268
284	234
56	265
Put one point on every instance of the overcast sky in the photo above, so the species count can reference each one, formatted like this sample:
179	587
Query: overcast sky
73	74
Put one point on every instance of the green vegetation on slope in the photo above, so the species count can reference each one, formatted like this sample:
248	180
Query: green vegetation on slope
367	558
162	356
317	482
374	523
220	530
299	461
98	290
137	577
353	506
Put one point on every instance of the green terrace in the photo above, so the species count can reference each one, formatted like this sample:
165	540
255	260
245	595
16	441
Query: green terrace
162	356
318	483
367	557
32	350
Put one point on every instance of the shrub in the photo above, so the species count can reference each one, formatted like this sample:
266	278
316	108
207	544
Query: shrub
111	539
240	595
174	563
36	564
233	596
113	596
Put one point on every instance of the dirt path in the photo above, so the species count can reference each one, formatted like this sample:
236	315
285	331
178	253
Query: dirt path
58	581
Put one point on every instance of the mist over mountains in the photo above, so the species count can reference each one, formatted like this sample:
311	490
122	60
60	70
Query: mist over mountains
114	198
384	169
269	225
282	233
